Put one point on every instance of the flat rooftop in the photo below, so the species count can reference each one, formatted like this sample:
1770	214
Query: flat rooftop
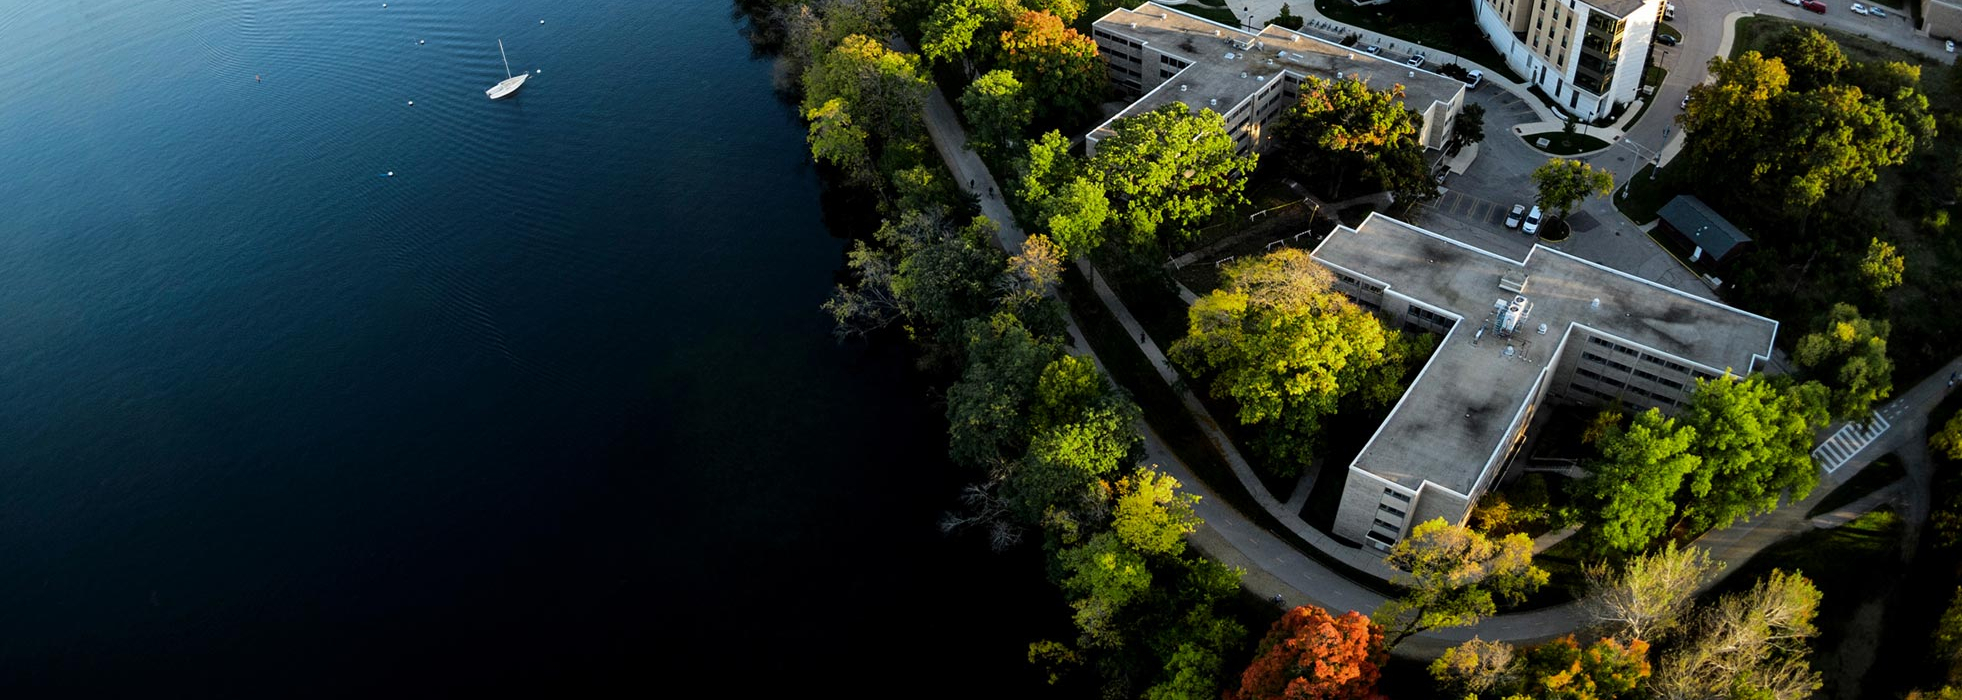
1456	412
1256	59
1618	8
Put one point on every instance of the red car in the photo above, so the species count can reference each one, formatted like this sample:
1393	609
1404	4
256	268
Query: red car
1814	5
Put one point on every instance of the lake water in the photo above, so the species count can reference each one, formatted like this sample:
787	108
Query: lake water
551	410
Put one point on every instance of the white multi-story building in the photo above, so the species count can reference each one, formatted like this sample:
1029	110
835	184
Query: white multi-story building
1588	56
1163	56
1515	334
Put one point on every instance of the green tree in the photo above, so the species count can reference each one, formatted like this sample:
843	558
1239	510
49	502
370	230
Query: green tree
1948	441
1754	439
924	270
1728	124
1103	576
1286	347
1811	59
881	88
1058	190
1947	637
1651	595
1170	166
1344	128
1469	128
1060	66
1882	267
836	140
997	110
965	30
1065	10
1849	354
1625	502
1451	576
1562	670
1753	644
1564	183
1081	433
1152	515
988	408
1833	139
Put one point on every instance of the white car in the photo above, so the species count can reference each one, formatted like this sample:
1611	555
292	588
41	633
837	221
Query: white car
1415	61
1512	217
1793	3
1478	76
1875	11
1950	45
1372	49
1532	224
1859	9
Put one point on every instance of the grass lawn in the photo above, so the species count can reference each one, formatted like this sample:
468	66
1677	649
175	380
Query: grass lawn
1444	25
1882	472
1644	194
1560	143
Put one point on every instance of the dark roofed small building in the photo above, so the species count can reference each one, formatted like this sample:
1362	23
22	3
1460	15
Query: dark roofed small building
1696	224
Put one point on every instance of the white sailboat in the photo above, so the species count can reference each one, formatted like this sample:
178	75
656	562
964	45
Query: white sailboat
511	82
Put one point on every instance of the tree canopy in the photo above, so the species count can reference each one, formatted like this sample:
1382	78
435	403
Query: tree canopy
1060	65
1848	354
1562	670
1454	576
997	110
1309	655
1286	347
882	89
1754	440
1343	128
1752	644
1564	183
1170	166
1626	501
1058	189
1651	594
1882	266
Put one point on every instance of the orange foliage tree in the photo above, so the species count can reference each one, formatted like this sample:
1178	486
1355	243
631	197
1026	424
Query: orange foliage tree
1605	670
1309	655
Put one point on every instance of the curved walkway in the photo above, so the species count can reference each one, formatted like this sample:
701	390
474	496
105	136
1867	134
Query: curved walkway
1273	566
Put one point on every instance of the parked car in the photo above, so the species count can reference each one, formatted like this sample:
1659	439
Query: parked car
1875	11
1478	76
1512	218
1415	61
1859	9
1666	39
1373	49
1669	12
1950	45
1532	223
1814	6
1685	104
1793	3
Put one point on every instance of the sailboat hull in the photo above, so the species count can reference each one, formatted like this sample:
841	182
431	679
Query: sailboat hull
506	88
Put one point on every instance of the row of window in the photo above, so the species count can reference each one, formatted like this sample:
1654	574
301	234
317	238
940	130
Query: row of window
1429	315
1627	389
1101	34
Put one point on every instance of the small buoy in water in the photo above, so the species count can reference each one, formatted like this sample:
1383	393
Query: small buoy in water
391	173
412	103
384	5
420	42
258	78
541	21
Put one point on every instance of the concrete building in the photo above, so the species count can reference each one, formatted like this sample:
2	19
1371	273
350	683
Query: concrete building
1941	19
1516	334
1163	56
1587	56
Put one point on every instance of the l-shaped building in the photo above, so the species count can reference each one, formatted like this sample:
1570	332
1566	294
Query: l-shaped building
1162	56
1516	333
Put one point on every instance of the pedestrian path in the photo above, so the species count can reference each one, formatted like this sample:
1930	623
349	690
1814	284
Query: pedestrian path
1847	442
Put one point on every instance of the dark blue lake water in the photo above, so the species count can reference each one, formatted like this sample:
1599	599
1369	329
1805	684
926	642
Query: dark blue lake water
551	411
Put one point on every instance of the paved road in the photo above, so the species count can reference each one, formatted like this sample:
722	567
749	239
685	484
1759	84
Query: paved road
1274	567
